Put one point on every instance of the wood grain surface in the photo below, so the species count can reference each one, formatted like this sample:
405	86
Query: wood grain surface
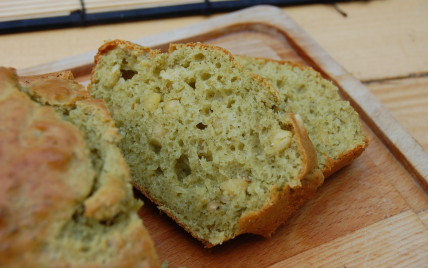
395	174
354	198
378	40
407	99
399	241
423	216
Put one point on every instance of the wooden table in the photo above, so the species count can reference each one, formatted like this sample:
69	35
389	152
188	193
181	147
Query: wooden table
382	43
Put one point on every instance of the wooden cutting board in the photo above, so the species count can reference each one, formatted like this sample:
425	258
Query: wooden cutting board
369	214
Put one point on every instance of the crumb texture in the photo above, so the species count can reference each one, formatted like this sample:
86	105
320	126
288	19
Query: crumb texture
200	134
65	196
332	124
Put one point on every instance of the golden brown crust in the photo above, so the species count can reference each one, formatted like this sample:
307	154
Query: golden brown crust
36	147
259	78
110	45
47	175
282	202
173	47
26	80
285	201
344	158
305	144
265	221
107	46
56	91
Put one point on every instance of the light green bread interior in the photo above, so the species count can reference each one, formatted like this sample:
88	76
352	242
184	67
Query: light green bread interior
90	236
332	124
217	136
81	239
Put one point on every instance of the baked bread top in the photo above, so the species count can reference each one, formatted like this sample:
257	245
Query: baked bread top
332	124
202	138
65	200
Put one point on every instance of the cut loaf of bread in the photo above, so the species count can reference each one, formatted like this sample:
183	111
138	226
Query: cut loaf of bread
332	124
202	139
65	196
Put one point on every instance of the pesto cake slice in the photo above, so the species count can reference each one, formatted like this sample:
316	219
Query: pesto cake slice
65	196
203	140
332	124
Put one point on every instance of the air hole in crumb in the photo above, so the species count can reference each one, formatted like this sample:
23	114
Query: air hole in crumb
230	103
186	64
124	61
155	147
86	248
210	94
241	146
201	126
181	143
208	156
219	78
182	167
137	100
192	84
157	71
169	84
205	76
302	89
283	126
276	108
127	74
159	171
119	123
233	79
280	83
232	147
206	110
199	57
218	65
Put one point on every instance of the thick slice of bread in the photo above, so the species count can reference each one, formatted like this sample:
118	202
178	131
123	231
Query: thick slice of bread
332	124
65	196
202	139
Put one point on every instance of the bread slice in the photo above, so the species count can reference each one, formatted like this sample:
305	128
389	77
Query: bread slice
332	124
65	196
202	139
